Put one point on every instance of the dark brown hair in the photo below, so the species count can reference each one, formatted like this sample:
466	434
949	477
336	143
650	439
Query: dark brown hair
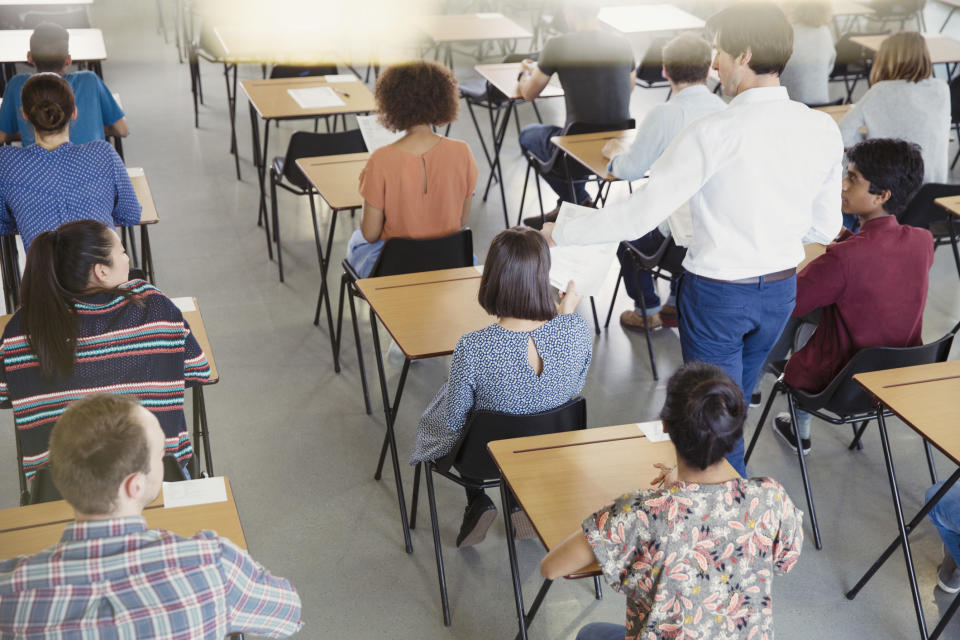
703	413
59	264
48	102
760	27
516	276
413	93
49	46
687	58
96	443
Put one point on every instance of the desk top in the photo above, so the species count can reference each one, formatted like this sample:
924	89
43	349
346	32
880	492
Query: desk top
943	49
271	100
148	214
850	8
561	478
28	530
471	27
41	3
336	178
427	312
925	397
586	148
649	18
85	44
250	45
951	204
504	77
836	111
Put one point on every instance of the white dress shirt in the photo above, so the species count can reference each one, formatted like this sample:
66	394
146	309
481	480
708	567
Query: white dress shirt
762	177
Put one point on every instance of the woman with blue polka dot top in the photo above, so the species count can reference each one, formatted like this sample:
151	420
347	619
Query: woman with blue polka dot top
56	181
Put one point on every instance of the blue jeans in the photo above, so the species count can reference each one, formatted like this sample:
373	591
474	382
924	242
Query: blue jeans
535	138
733	326
602	631
362	255
946	518
641	286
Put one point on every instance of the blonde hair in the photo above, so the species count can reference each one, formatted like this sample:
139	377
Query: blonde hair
902	56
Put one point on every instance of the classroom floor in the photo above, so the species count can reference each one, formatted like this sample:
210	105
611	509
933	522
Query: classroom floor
293	438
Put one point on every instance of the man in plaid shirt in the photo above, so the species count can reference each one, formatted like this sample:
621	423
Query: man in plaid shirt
110	576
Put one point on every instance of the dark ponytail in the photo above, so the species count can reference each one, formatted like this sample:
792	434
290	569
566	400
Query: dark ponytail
703	413
48	102
58	270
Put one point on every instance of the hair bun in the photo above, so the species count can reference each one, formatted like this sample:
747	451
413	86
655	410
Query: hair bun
47	115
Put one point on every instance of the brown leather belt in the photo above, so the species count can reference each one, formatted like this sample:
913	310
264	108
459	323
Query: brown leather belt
776	276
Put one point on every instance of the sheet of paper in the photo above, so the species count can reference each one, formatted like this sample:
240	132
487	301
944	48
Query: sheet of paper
184	304
190	492
653	430
135	172
316	97
588	266
489	16
375	135
341	77
479	268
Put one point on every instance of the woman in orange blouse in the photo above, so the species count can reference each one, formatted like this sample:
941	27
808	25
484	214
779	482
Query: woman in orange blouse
421	185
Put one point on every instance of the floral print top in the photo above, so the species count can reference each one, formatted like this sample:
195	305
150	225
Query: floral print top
697	560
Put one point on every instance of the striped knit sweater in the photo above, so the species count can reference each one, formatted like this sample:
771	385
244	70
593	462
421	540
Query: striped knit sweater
147	351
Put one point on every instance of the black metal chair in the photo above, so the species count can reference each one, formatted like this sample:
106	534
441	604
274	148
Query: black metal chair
844	401
667	258
477	469
650	69
955	114
399	256
925	213
851	64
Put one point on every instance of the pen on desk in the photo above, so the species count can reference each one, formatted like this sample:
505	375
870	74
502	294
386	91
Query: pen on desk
341	92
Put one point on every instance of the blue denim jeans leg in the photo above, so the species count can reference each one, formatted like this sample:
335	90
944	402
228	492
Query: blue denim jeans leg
733	326
602	631
946	518
362	255
536	139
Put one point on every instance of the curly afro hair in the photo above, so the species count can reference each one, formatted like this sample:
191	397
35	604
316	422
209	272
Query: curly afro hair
413	93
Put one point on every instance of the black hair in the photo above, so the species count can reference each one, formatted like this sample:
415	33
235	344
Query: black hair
890	165
760	27
703	413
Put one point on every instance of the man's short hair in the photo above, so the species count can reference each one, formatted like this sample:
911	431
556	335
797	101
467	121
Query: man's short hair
583	8
760	27
97	442
687	58
49	46
890	165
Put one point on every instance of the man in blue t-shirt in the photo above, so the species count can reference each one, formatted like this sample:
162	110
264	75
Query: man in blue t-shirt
98	114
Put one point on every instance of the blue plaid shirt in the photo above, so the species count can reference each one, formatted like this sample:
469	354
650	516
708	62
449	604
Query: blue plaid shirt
117	579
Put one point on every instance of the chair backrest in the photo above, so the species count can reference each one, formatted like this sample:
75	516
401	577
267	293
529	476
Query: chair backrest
845	397
650	69
955	100
851	54
409	255
284	71
574	168
305	144
470	456
42	488
922	209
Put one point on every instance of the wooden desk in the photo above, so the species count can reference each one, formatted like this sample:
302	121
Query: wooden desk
86	45
836	111
29	530
649	18
851	8
811	251
308	46
148	216
943	49
924	397
951	204
561	478
504	75
444	30
586	148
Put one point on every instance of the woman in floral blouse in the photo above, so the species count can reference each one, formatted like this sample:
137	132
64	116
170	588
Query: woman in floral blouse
696	555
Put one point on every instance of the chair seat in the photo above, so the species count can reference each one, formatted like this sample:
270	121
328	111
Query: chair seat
475	90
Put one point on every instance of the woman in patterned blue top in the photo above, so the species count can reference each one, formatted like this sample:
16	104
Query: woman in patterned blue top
56	181
532	359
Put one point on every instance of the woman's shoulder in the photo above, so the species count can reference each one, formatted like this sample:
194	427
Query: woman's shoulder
152	299
568	324
455	148
478	338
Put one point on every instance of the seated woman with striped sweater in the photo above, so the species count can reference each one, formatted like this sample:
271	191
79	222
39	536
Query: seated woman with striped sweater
84	328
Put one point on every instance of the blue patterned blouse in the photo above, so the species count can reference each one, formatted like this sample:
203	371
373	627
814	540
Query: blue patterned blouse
490	372
41	189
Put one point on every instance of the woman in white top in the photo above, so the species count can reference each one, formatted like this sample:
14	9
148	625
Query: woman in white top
905	102
807	74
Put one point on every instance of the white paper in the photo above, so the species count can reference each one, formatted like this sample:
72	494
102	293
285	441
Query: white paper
375	135
654	431
341	77
184	304
191	492
489	15
135	172
316	97
479	268
587	266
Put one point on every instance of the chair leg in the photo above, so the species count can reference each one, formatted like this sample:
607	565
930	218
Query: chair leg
356	338
613	300
596	320
431	498
523	195
777	388
857	442
930	464
803	472
416	496
646	333
276	220
598	587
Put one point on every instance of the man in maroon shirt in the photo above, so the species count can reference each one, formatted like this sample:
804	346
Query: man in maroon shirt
871	286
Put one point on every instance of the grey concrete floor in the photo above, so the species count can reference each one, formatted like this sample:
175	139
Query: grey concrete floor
293	438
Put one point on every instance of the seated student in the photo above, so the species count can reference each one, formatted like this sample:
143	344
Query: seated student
534	358
84	328
671	550
98	114
112	577
871	286
597	72
946	519
420	186
904	101
807	74
686	63
55	181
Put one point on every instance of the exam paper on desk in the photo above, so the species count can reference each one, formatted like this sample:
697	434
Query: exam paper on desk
315	98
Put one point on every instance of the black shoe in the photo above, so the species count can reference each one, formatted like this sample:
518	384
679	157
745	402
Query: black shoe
535	222
783	427
756	400
477	518
522	527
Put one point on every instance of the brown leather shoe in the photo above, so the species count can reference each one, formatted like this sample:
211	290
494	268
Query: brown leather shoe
535	222
668	315
632	320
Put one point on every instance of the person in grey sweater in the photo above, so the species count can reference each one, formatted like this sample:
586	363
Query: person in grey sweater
807	74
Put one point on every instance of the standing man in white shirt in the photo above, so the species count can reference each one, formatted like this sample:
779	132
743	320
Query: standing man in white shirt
762	177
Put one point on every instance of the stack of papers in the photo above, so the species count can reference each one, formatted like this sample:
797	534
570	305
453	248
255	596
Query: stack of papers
653	430
184	304
316	98
191	492
588	266
375	135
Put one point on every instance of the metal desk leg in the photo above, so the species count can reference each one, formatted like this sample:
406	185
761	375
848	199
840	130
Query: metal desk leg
130	244
324	295
390	441
951	220
232	107
260	163
496	171
147	254
201	434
